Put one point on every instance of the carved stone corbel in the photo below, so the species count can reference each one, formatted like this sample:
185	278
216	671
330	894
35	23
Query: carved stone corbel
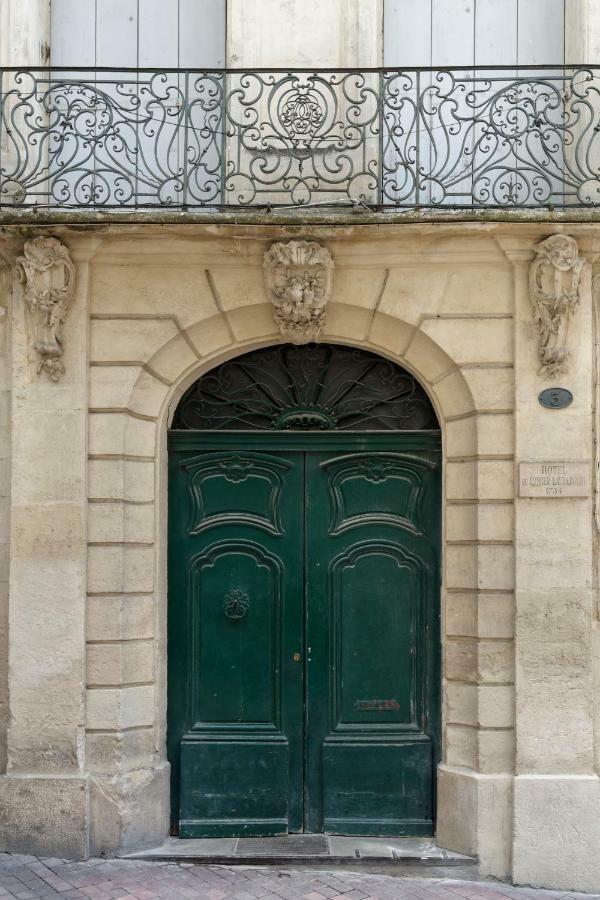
554	282
48	274
298	279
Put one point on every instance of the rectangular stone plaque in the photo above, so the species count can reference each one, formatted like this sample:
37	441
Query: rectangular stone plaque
554	479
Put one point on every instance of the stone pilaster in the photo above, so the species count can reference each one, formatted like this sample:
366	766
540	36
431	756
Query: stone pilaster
6	267
25	33
582	32
557	792
43	795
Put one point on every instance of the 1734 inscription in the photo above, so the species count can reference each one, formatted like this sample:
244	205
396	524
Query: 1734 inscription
554	479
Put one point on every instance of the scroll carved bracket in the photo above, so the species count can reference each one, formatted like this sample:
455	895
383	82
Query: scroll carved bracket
554	283
48	274
298	280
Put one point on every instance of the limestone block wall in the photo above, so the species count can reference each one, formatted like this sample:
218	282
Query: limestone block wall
165	308
341	33
154	308
24	32
43	796
596	526
5	297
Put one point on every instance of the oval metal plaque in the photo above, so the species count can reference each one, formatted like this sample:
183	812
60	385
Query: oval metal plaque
555	398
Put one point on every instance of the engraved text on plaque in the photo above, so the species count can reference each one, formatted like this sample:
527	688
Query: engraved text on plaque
554	479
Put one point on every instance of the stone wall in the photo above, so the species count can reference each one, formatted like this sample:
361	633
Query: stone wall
154	308
423	301
5	292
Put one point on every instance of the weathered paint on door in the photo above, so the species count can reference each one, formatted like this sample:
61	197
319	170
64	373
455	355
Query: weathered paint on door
235	623
371	579
303	633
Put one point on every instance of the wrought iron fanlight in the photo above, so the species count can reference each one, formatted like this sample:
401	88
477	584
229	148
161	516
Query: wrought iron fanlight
314	387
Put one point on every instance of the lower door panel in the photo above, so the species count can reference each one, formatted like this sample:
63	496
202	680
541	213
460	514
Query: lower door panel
377	789
230	787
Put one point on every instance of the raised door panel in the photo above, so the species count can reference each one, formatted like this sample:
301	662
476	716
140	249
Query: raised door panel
235	621
373	633
406	33
381	788
202	32
234	789
374	489
237	489
541	33
374	594
236	591
73	33
158	39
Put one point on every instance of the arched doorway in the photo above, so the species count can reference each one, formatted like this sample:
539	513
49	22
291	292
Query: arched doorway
304	581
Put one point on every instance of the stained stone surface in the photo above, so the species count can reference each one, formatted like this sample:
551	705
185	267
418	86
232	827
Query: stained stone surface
82	519
29	877
309	847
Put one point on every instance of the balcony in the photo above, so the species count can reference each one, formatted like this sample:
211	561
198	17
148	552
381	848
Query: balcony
383	140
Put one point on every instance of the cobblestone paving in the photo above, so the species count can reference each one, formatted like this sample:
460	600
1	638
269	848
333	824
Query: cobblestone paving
26	877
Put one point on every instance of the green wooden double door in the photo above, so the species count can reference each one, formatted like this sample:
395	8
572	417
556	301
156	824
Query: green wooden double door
303	633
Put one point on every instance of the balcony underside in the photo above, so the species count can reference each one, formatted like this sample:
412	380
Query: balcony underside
369	145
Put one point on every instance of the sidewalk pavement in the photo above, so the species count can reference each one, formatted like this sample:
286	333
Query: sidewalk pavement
28	877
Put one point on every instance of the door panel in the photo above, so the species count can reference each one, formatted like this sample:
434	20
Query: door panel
237	489
239	582
235	623
234	788
373	488
374	589
376	788
373	632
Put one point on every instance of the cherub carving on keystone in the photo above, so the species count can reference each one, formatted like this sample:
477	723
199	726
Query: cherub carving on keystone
554	282
48	274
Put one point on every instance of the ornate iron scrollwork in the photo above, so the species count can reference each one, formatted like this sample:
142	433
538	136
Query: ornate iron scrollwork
236	605
314	387
384	138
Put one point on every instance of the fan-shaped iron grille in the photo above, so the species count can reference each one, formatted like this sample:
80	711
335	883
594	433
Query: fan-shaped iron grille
315	387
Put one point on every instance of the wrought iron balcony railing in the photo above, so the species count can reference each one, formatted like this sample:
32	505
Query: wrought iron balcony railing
386	139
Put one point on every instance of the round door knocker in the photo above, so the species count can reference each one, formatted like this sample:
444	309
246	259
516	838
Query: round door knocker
236	605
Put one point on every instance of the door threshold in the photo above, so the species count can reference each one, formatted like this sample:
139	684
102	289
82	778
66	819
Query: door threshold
303	849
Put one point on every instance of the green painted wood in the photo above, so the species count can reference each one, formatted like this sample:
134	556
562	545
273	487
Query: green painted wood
372	612
235	622
338	534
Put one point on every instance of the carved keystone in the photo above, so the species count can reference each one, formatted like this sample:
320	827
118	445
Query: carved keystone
298	279
48	274
554	279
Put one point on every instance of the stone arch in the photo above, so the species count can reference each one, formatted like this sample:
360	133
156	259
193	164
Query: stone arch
152	397
389	336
